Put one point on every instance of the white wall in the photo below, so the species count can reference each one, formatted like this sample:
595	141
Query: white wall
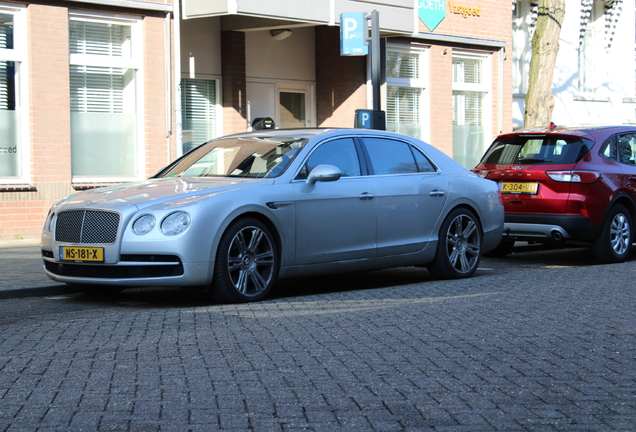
201	48
612	104
288	59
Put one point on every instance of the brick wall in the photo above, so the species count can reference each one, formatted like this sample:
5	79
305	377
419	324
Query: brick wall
234	84
160	148
24	207
22	212
340	81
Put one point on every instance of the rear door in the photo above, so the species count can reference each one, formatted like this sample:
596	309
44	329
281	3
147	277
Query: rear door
410	194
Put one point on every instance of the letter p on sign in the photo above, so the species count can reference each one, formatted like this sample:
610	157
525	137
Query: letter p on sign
353	34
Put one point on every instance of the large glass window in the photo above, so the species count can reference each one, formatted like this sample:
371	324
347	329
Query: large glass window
12	147
592	54
199	111
470	117
524	18
104	114
406	91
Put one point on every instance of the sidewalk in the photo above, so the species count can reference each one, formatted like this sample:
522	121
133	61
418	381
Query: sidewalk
22	273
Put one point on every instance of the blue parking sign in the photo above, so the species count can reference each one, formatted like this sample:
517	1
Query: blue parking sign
353	34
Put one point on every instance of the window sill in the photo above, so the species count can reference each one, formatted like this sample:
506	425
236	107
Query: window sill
589	98
87	186
18	188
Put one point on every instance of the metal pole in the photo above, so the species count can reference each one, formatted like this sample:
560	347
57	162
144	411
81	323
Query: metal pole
374	54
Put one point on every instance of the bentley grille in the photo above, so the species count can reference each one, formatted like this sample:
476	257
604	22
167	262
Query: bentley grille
86	227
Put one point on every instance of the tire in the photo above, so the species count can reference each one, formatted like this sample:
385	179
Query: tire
614	245
459	246
502	249
246	264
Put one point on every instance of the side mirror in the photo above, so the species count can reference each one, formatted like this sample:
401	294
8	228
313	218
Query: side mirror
324	173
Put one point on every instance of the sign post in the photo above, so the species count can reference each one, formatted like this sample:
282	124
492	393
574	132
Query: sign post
354	40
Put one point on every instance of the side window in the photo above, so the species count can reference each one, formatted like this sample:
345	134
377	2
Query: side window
339	152
390	156
626	145
423	164
609	149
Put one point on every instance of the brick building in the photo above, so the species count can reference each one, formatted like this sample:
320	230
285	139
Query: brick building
93	84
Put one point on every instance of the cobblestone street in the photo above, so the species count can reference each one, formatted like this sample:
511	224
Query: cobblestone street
527	349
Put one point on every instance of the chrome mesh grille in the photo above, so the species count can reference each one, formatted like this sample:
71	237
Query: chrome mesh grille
86	227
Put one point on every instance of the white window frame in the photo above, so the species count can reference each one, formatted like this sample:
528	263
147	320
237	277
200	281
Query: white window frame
133	62
218	108
19	55
592	56
421	83
523	23
484	87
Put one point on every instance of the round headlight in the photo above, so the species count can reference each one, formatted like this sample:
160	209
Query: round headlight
144	224
175	223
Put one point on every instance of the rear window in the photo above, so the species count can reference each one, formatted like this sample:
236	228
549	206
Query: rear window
536	150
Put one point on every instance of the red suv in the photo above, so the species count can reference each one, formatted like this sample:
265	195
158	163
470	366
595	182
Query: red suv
567	184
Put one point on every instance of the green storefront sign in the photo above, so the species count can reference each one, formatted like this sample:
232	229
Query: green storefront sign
432	12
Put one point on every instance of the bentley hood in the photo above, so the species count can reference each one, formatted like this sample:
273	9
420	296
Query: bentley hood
155	191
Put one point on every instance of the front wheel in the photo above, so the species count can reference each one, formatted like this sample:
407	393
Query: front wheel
459	246
615	242
246	263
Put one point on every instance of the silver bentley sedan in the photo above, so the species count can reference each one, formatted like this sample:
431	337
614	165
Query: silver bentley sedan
239	212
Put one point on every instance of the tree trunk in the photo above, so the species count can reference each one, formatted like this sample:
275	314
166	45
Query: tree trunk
545	47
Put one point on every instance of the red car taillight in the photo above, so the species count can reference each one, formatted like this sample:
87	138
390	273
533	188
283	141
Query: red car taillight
483	173
574	176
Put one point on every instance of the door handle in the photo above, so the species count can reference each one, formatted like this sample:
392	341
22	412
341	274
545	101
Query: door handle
366	196
437	193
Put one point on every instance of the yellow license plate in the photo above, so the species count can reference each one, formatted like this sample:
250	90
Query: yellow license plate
81	254
520	188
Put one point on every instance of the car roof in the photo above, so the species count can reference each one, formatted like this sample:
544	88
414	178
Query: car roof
308	133
572	130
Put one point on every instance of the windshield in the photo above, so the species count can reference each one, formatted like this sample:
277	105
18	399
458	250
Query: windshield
537	149
236	157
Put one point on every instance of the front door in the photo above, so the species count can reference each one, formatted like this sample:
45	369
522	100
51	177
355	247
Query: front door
292	108
335	221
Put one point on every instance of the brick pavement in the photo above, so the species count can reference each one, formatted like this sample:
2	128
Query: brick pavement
21	273
526	350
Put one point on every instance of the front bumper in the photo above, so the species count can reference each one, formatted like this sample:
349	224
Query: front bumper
131	270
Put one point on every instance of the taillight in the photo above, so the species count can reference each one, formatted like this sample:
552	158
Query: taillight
483	173
574	176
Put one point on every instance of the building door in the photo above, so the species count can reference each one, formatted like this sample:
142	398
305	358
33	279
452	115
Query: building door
289	105
292	109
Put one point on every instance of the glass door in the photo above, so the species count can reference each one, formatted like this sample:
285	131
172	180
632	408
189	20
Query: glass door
292	106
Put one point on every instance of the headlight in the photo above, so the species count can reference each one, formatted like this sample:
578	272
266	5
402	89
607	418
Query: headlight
144	224
175	223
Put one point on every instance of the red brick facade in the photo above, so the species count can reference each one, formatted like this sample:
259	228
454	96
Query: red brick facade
341	81
23	207
234	83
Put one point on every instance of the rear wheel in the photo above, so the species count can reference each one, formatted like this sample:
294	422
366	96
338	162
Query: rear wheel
458	247
615	242
246	263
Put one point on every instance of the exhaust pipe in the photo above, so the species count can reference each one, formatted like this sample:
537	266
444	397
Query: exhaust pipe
557	236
